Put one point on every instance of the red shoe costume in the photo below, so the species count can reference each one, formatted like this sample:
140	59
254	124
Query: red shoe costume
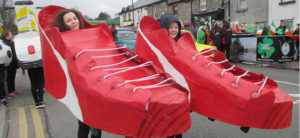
219	90
109	87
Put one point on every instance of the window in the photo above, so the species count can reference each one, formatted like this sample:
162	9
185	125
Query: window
154	11
283	2
288	0
242	4
289	22
203	5
129	16
175	10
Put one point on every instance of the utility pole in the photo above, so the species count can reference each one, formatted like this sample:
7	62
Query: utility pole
132	11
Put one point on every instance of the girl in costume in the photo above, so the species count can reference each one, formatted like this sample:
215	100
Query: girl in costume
68	20
173	26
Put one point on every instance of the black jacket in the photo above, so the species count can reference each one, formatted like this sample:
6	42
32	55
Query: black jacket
14	62
226	33
215	35
166	20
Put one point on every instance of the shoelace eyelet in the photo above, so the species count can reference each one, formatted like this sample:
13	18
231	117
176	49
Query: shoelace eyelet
86	69
101	78
255	95
219	75
234	85
115	85
194	58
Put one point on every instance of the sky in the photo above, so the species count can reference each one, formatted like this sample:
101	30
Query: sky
92	8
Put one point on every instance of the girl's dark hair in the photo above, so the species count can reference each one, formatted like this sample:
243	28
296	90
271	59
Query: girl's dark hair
4	34
59	22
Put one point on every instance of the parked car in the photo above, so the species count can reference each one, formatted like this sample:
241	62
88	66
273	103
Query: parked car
199	47
126	37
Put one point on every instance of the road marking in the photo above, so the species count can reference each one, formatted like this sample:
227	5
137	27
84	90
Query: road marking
283	82
294	95
297	101
39	131
23	133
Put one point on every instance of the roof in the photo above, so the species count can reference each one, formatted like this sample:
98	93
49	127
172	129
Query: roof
139	4
142	3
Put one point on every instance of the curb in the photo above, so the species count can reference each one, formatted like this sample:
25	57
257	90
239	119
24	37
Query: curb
3	126
268	66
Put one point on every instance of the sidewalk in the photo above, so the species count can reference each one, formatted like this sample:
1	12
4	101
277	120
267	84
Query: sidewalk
294	65
3	121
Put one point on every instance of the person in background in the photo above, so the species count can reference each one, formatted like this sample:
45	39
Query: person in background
296	32
36	77
201	35
2	83
68	20
226	34
173	26
215	35
7	39
266	30
113	31
281	29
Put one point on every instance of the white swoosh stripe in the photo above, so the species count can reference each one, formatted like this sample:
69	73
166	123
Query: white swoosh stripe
70	99
168	67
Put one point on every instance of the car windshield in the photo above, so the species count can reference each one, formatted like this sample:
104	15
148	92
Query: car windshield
126	35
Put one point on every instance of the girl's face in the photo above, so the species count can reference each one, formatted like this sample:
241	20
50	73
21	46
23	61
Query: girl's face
71	21
9	36
173	29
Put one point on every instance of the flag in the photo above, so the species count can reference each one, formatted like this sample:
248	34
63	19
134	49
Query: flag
259	31
251	30
273	28
288	30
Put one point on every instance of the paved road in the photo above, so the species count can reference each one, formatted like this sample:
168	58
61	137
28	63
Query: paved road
56	121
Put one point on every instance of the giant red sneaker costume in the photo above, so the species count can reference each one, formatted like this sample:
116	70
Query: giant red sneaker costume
219	90
109	87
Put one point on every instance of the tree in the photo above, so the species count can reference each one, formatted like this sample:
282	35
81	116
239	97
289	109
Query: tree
86	17
103	16
7	16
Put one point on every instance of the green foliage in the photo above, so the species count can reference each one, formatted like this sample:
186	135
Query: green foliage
103	16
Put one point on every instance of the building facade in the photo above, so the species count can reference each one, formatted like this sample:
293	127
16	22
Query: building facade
284	10
249	11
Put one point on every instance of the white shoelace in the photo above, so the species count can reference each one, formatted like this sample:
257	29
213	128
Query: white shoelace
96	50
231	68
262	86
154	85
97	67
108	56
140	79
225	70
200	53
127	69
240	76
225	60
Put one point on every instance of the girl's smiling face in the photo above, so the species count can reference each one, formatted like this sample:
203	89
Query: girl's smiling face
173	29
71	21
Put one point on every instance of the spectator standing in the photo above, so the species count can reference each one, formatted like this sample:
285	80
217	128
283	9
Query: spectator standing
296	32
201	35
226	34
266	30
281	29
7	39
2	82
215	35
